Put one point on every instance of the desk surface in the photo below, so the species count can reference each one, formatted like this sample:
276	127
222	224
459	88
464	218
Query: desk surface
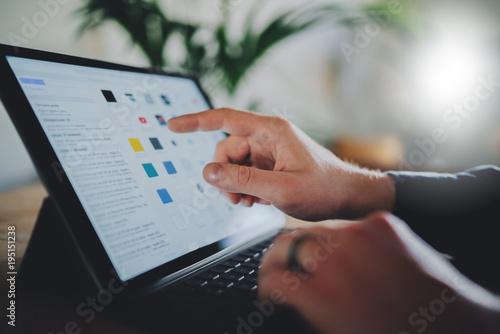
20	208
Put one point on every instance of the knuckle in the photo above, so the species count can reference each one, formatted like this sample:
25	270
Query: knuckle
264	135
380	221
282	121
244	175
279	124
356	234
242	148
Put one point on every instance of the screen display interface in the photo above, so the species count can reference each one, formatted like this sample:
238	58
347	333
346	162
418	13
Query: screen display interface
140	184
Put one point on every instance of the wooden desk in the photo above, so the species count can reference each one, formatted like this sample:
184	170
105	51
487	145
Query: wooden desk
20	208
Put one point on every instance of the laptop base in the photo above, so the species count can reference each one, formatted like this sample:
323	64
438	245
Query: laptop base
52	274
50	261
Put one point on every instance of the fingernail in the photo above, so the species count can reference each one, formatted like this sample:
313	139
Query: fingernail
169	123
212	172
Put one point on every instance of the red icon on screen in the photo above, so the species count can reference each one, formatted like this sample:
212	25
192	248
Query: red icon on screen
142	120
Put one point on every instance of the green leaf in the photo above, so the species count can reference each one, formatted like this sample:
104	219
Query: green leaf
150	29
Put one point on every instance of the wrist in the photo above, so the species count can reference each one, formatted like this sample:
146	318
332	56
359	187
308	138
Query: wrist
368	191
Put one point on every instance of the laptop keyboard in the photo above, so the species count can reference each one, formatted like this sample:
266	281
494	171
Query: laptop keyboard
233	276
218	298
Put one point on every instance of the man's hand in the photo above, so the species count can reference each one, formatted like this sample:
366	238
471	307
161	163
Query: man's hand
374	276
269	160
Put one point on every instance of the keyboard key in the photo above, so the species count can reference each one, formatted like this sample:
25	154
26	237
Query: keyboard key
251	278
221	283
220	269
230	263
258	256
241	258
244	270
247	286
256	249
211	290
252	264
267	242
250	253
233	276
196	282
208	275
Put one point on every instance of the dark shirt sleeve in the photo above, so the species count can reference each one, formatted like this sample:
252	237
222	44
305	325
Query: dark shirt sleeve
458	214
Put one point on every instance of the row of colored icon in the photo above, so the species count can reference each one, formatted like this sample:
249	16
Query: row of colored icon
155	142
151	171
110	97
161	120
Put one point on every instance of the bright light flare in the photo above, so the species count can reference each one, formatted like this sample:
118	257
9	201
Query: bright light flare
446	72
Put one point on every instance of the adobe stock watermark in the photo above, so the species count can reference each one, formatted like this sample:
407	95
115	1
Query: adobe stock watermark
31	25
364	36
426	315
87	309
248	323
453	118
200	200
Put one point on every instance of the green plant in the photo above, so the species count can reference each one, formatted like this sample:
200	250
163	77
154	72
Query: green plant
228	60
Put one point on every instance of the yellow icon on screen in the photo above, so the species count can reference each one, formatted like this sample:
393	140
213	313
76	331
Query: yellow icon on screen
136	144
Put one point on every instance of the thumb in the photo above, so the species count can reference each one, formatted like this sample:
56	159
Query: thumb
242	179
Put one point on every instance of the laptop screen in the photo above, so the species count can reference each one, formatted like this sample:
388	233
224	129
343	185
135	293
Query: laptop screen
140	184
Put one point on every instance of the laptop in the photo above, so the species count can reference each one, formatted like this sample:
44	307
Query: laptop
131	195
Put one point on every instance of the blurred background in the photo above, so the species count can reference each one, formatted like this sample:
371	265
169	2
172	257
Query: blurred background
387	84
